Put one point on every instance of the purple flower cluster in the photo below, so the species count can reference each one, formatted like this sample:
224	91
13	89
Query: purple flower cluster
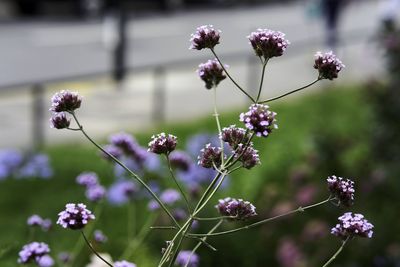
259	119
121	192
234	136
124	264
75	216
351	225
61	102
204	37
37	165
60	121
65	101
168	196
36	252
99	237
342	189
162	143
36	220
94	191
211	73
210	157
238	209
180	160
328	65
10	160
248	156
186	258
267	43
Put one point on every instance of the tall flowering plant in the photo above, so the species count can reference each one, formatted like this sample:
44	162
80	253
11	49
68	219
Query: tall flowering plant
233	151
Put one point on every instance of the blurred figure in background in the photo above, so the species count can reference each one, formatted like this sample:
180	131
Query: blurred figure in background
331	10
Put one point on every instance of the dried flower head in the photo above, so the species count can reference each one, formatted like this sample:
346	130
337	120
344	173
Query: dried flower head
267	43
259	119
162	143
351	225
32	252
59	121
204	37
210	156
124	264
75	216
65	101
236	208
328	65
234	136
248	156
211	73
187	258
342	189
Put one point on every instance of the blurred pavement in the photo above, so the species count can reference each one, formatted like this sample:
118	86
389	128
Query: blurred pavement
42	50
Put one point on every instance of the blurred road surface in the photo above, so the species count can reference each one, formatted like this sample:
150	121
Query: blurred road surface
48	50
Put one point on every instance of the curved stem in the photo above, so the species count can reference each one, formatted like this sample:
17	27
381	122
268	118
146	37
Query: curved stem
300	209
291	92
178	185
214	218
216	115
234	82
336	253
94	251
134	175
262	79
199	243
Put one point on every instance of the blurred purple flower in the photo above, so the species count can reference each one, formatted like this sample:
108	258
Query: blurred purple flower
64	257
186	258
33	252
99	237
289	254
45	261
46	225
87	179
170	196
180	160
38	166
121	192
95	193
9	161
35	220
59	121
124	264
306	194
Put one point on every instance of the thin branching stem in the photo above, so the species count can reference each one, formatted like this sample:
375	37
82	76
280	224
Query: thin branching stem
234	82
94	251
178	185
214	218
300	209
336	253
134	175
216	115
264	64
291	92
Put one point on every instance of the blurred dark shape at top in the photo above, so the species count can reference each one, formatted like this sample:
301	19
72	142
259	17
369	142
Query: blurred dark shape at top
97	8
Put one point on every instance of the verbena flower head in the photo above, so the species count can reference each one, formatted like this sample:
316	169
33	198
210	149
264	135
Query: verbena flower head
180	160
99	237
248	156
37	166
186	258
234	136
267	43
45	261
75	216
259	119
211	73
113	150
65	101
237	208
121	192
210	156
204	37
95	193
162	143
351	225
87	179
328	65
170	196
125	142
32	252
59	121
35	220
124	264
342	189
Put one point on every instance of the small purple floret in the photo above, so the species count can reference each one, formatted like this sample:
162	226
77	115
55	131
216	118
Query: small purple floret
238	209
59	121
204	37
99	237
75	216
35	220
259	119
33	252
267	43
211	73
87	179
342	189
65	101
248	156
186	256
210	157
351	225
124	264
162	143
95	193
328	65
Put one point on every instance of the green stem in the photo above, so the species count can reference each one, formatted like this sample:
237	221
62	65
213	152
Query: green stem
204	239
94	251
178	185
216	115
337	252
214	218
264	64
234	82
134	175
289	93
300	209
